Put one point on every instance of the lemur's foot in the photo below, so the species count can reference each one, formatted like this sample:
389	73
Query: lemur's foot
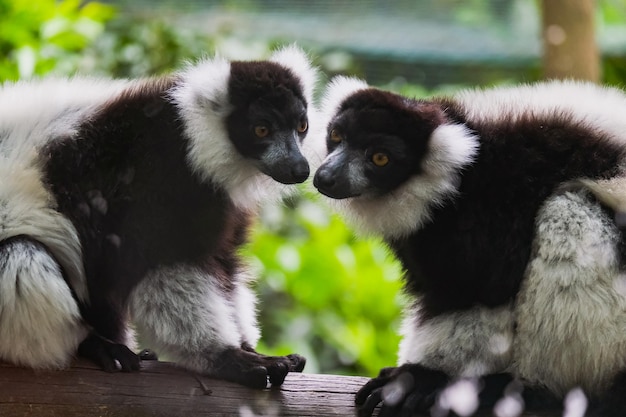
401	391
108	354
247	367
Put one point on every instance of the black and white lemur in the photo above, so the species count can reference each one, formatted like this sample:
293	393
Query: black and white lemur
129	200
504	207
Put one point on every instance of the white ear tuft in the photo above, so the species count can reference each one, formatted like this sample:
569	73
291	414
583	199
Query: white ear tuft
338	90
451	147
294	58
204	86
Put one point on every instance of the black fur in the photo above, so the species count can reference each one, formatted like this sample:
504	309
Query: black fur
612	404
250	80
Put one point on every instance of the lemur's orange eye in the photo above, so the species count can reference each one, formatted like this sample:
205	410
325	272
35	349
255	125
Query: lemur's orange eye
303	126
380	159
261	131
335	136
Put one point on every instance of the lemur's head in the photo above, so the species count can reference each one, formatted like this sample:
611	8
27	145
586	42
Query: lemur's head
245	118
376	140
269	120
388	157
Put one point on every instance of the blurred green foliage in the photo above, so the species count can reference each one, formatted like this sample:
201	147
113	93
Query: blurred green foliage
135	47
612	12
323	292
43	36
612	17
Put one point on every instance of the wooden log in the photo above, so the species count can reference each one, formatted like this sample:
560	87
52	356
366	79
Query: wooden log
163	390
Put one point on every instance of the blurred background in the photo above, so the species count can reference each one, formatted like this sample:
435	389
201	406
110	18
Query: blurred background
324	292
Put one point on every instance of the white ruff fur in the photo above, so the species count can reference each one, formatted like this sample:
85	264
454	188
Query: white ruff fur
203	100
571	310
463	344
40	323
182	312
33	114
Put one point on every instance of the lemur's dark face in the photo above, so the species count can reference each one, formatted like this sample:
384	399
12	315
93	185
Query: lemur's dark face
375	142
269	119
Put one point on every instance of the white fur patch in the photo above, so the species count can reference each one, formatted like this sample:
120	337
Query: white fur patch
598	107
182	312
463	344
313	147
571	310
408	207
337	91
40	323
244	301
202	97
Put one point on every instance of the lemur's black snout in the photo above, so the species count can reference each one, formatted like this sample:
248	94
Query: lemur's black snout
300	171
324	180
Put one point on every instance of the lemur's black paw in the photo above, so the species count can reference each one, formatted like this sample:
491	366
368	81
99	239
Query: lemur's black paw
401	391
254	377
279	366
247	367
297	362
277	370
108	354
